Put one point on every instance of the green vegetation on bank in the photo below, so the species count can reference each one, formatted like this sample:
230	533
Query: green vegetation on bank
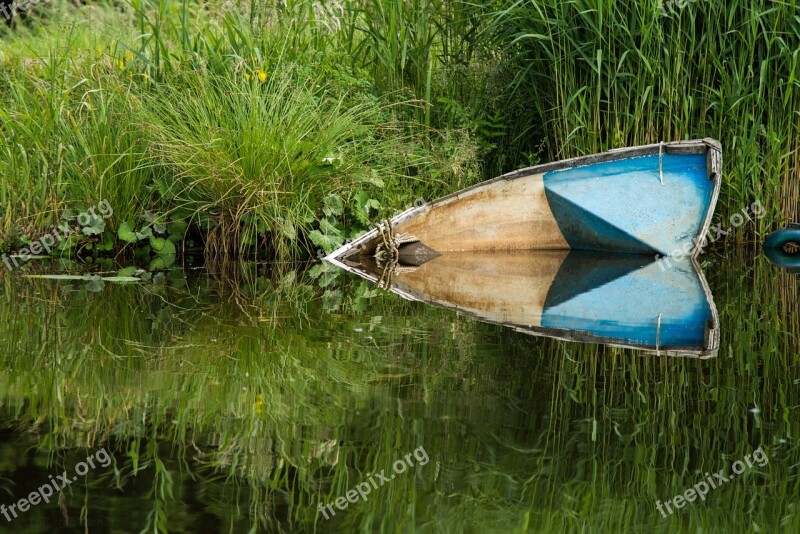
283	127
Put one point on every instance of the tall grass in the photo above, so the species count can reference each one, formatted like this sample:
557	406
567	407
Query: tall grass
68	139
263	153
241	123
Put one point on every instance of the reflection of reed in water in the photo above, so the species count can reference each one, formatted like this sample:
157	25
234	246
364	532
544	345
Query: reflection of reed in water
260	418
789	303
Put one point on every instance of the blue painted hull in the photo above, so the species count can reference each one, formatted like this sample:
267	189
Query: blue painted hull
643	205
618	301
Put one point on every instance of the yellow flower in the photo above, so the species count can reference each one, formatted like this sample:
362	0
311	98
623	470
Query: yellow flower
121	64
128	56
247	76
259	404
262	76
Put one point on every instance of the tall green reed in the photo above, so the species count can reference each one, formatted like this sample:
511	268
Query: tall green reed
603	74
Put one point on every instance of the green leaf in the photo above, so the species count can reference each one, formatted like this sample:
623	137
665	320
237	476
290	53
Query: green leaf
361	198
331	300
127	271
169	249
162	262
325	242
286	228
126	232
176	231
163	247
96	226
332	205
58	276
90	278
95	285
327	228
145	233
321	269
107	243
363	206
375	180
329	278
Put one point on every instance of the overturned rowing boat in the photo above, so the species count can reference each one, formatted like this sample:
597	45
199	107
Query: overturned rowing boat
654	200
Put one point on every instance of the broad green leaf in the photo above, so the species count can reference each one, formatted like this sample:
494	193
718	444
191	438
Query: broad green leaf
126	232
145	233
325	242
332	205
127	271
162	247
162	262
327	228
96	226
95	285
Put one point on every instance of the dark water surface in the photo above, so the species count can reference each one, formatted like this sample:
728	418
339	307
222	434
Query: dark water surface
239	400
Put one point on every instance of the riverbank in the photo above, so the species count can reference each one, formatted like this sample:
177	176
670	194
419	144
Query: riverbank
278	130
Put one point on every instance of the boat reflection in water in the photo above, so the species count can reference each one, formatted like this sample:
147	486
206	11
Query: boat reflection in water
616	299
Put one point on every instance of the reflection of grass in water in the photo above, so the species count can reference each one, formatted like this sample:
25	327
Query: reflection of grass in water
257	396
291	406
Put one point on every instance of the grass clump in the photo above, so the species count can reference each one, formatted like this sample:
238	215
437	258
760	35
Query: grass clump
254	157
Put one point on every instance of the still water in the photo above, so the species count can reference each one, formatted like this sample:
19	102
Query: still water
301	398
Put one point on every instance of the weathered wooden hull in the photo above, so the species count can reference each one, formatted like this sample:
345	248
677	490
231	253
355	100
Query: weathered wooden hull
651	200
614	299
